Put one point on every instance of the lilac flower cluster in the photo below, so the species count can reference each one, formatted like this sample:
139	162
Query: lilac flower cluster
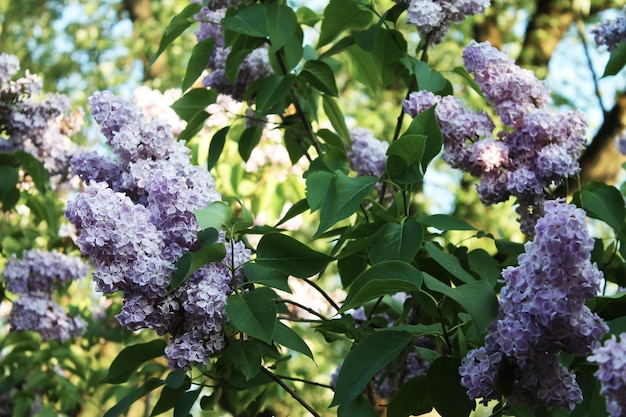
432	18
34	278
136	220
620	142
542	311
611	32
537	150
611	358
368	155
255	66
39	127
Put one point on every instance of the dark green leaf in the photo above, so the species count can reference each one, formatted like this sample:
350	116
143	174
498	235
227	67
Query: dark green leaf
287	255
253	313
194	125
404	159
270	91
198	61
248	140
285	336
363	69
298	208
251	21
368	357
216	147
469	80
206	255
341	15
336	118
603	202
254	408
359	406
168	399
131	357
321	76
411	400
367	38
194	102
429	79
444	388
292	51
426	124
481	262
35	169
9	177
186	402
282	23
617	61
381	279
396	242
176	27
332	139
339	46
477	298
390	46
122	407
175	379
246	356
449	262
267	276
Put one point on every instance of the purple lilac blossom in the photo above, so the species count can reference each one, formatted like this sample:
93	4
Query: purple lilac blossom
537	149
620	142
34	278
432	18
39	127
135	220
255	66
611	32
368	155
611	360
542	311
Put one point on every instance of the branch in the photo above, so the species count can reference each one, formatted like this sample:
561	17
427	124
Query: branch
290	390
303	307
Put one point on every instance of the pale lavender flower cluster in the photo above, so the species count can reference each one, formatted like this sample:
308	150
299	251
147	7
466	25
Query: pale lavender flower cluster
136	219
255	66
34	278
39	127
154	103
542	312
611	32
611	360
368	155
432	18
538	149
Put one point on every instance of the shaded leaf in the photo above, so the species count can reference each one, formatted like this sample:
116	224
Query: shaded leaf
336	118
321	76
245	356
411	400
122	407
253	313
445	222
285	336
444	388
288	255
198	62
396	242
217	146
341	15
176	27
617	61
194	102
404	159
248	140
131	357
449	262
267	276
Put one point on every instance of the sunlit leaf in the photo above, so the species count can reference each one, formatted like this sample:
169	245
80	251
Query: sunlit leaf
253	313
132	357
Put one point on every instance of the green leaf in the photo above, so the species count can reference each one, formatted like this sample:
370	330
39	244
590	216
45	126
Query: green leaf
122	407
254	408
196	260
216	215
131	357
359	406
285	336
253	313
339	46
390	46
332	139
384	278
175	379
443	384
194	125
367	38
404	159
267	276
292	51
336	118
194	102
9	177
35	169
282	23
476	298
603	202
186	402
445	222
217	146
296	209
321	76
449	262
426	124
198	61
251	21
248	140
469	80
481	262
396	242
363	69
368	357
411	400
168	399
286	254
429	79
341	15
340	199
616	61
176	27
270	91
246	356
307	16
